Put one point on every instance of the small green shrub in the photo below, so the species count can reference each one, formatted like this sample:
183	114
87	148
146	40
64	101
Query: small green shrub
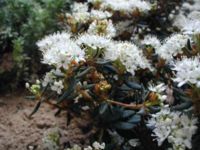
23	22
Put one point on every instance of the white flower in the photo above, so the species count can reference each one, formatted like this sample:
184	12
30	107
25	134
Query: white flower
95	1
187	71
50	139
134	142
151	40
98	146
158	88
49	78
131	57
80	12
57	86
172	46
127	6
81	17
88	148
177	128
50	40
76	147
191	27
99	14
27	85
79	7
103	27
180	20
94	41
123	26
59	50
194	15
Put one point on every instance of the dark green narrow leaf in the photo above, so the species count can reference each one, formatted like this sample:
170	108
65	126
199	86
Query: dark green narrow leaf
30	97
183	106
133	85
69	91
128	113
84	72
58	112
35	109
124	125
110	68
178	91
135	119
102	61
189	45
103	108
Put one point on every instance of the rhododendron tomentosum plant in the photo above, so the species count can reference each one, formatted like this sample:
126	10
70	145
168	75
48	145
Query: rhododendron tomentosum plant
129	85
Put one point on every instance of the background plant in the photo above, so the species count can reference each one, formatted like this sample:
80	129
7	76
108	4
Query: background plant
23	22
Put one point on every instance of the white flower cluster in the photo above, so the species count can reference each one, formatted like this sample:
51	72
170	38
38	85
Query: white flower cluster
159	89
127	6
59	50
80	12
60	53
151	40
172	46
50	139
102	27
175	127
130	56
105	9
188	20
187	71
95	146
99	14
94	41
50	79
192	27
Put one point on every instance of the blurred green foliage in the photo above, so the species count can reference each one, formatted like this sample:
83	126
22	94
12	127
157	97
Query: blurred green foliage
23	23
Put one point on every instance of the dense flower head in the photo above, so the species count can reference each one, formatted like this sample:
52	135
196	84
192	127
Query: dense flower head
151	40
94	41
51	40
192	27
175	127
103	27
187	71
130	56
99	14
172	46
80	12
126	5
59	50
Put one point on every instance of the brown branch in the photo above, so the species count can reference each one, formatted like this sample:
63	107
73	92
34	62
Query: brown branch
130	106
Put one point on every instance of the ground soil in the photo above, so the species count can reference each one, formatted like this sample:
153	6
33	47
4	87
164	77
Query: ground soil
18	132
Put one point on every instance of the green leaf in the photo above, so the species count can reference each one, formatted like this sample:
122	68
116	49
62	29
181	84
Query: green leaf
135	119
84	72
124	125
102	109
30	97
102	61
182	106
110	68
128	113
69	91
35	109
133	85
